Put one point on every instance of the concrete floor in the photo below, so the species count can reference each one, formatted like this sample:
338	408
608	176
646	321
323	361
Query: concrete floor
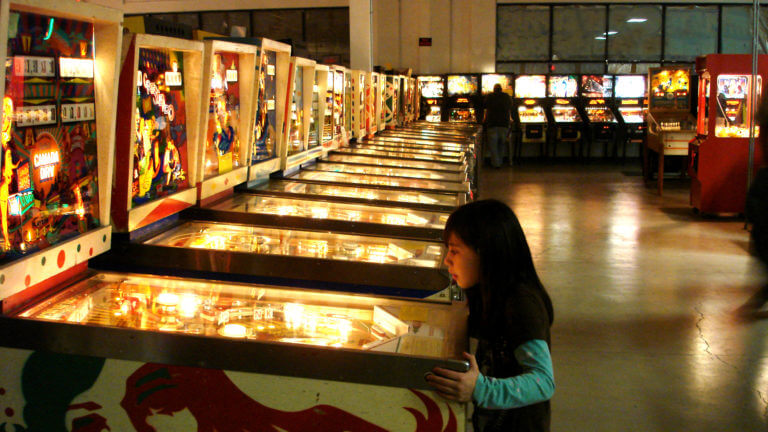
645	336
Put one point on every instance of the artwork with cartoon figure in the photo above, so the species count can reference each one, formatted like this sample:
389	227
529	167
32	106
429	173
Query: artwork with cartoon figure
160	138
48	191
50	392
222	149
264	142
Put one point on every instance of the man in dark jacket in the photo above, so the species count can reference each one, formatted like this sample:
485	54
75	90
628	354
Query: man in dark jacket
498	111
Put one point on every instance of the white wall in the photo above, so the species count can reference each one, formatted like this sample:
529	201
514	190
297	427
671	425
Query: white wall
463	35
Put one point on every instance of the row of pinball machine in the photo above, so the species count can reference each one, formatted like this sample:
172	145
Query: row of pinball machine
219	235
711	132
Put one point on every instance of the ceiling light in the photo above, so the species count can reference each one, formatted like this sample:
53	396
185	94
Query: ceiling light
600	37
637	20
610	33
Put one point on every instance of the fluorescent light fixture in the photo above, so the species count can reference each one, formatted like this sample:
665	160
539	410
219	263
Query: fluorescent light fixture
610	33
600	37
637	20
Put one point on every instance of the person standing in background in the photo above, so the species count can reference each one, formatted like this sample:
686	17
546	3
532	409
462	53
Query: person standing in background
498	112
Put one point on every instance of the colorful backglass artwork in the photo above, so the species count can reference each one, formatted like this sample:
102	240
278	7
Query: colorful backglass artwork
530	86
49	189
631	86
669	89
597	86
563	86
160	139
264	142
431	86
490	80
461	84
222	149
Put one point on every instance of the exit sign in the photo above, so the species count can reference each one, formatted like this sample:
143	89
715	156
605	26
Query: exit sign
425	41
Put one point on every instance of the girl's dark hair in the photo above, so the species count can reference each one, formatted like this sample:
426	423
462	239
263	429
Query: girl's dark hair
491	228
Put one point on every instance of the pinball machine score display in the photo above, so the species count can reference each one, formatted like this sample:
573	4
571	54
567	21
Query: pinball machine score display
719	157
670	123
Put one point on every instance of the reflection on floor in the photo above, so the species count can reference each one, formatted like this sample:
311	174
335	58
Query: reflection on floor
645	338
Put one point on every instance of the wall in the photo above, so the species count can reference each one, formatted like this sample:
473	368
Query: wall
463	35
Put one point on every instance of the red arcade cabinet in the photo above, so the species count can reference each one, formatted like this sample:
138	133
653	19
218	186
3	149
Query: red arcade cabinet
720	154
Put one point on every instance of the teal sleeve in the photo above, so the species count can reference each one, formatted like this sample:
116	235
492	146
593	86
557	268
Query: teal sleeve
535	384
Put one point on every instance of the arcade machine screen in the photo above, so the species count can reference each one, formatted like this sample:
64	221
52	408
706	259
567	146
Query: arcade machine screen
563	86
669	89
160	147
461	85
222	142
431	86
630	86
49	189
530	86
264	141
338	102
329	111
295	137
732	119
490	80
597	86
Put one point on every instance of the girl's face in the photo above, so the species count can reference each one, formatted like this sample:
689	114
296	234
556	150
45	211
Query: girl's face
463	262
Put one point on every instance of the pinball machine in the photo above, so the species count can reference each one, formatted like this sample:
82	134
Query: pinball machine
325	93
529	113
229	80
359	129
597	95
340	126
432	89
373	104
381	121
318	116
268	96
298	112
563	91
391	101
719	156
671	125
461	95
631	96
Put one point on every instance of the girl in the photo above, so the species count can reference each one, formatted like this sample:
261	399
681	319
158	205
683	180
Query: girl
510	378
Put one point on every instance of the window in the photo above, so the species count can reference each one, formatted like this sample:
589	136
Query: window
634	32
690	31
578	32
522	33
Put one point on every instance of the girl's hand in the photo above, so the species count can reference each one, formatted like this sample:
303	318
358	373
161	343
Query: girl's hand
453	385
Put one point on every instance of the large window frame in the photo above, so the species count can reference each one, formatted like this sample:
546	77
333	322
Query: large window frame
609	64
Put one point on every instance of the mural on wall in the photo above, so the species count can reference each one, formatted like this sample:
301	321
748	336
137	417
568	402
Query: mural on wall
49	190
222	149
160	137
87	394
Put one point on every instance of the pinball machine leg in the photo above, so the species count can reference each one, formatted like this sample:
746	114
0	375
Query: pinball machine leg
660	175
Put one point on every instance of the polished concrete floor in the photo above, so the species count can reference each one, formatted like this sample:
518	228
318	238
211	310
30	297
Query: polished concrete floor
645	335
